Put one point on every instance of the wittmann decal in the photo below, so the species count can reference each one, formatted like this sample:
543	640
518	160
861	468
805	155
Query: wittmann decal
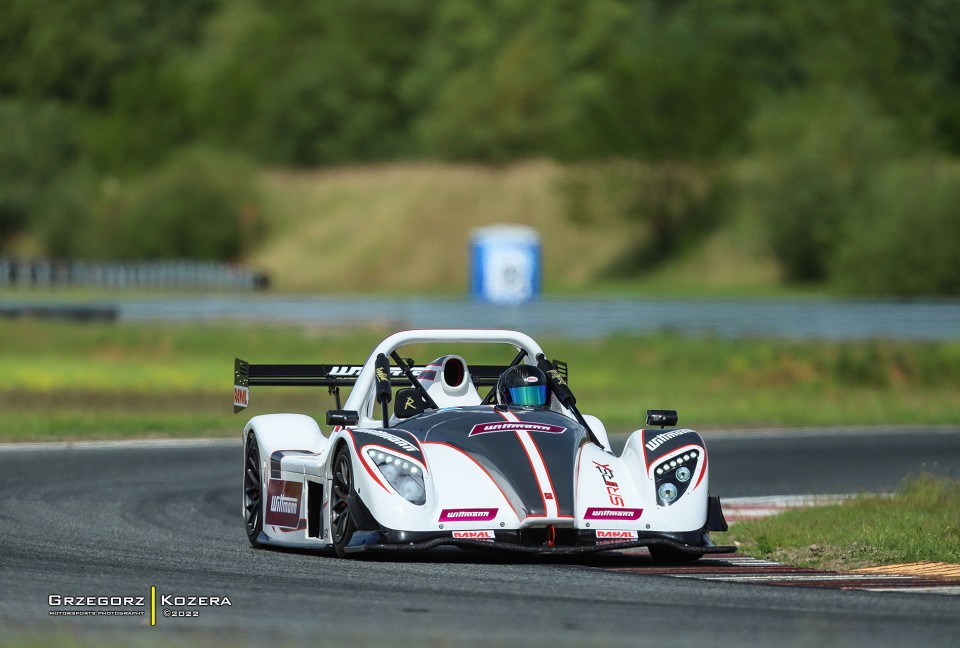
352	371
660	439
597	513
662	444
515	426
468	515
474	535
283	503
394	439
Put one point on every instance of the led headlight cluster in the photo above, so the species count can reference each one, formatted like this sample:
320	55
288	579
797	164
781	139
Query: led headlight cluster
405	476
672	476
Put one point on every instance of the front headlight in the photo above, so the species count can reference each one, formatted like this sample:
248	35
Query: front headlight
672	476
406	477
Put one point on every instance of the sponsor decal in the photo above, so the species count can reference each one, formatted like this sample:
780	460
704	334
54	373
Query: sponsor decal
283	503
474	535
352	371
468	515
392	438
613	490
381	375
345	371
616	534
241	396
531	379
515	426
596	513
660	439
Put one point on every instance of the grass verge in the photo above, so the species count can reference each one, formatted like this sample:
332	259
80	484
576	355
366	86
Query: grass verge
921	522
70	381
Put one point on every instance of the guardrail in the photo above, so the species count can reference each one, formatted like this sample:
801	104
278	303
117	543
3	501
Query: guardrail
180	274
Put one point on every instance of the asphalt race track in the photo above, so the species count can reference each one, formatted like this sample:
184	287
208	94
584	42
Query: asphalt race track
115	520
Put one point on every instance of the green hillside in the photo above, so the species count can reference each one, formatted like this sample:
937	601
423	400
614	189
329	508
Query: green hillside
407	227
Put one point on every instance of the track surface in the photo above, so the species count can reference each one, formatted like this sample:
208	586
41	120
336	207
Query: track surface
114	521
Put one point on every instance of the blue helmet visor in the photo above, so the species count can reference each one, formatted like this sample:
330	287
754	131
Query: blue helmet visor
528	395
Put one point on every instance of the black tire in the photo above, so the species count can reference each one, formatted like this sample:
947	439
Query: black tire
665	554
252	491
342	521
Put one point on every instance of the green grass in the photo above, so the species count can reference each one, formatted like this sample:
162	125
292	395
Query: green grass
921	522
69	381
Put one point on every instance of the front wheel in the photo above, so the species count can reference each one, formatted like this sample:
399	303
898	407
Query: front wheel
252	491
342	521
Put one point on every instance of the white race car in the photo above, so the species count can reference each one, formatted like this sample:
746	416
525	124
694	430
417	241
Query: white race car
448	466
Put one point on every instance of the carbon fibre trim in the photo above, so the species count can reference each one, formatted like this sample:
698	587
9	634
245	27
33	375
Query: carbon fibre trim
398	541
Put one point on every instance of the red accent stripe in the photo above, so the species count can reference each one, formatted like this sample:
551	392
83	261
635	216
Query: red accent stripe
643	448
452	447
365	466
533	467
546	470
703	471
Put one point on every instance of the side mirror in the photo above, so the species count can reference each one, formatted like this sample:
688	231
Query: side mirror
409	403
663	418
343	417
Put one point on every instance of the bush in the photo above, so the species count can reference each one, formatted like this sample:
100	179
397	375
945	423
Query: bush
673	204
37	148
817	152
199	205
903	238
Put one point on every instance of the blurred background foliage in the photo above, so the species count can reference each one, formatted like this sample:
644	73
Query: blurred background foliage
136	128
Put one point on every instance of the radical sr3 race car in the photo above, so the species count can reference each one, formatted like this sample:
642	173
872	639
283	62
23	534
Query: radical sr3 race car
446	465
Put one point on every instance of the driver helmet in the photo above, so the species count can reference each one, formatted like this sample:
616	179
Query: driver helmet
523	385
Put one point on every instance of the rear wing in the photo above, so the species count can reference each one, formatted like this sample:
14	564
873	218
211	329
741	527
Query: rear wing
246	375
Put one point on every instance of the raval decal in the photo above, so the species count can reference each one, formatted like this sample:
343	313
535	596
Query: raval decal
241	396
616	534
474	535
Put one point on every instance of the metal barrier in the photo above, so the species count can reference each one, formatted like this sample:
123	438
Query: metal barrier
108	275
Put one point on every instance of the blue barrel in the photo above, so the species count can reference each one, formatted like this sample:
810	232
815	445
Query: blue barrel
505	263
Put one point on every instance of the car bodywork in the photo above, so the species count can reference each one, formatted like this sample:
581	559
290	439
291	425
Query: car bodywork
449	467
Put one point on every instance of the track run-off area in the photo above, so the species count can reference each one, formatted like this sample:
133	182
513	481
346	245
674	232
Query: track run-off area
121	522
